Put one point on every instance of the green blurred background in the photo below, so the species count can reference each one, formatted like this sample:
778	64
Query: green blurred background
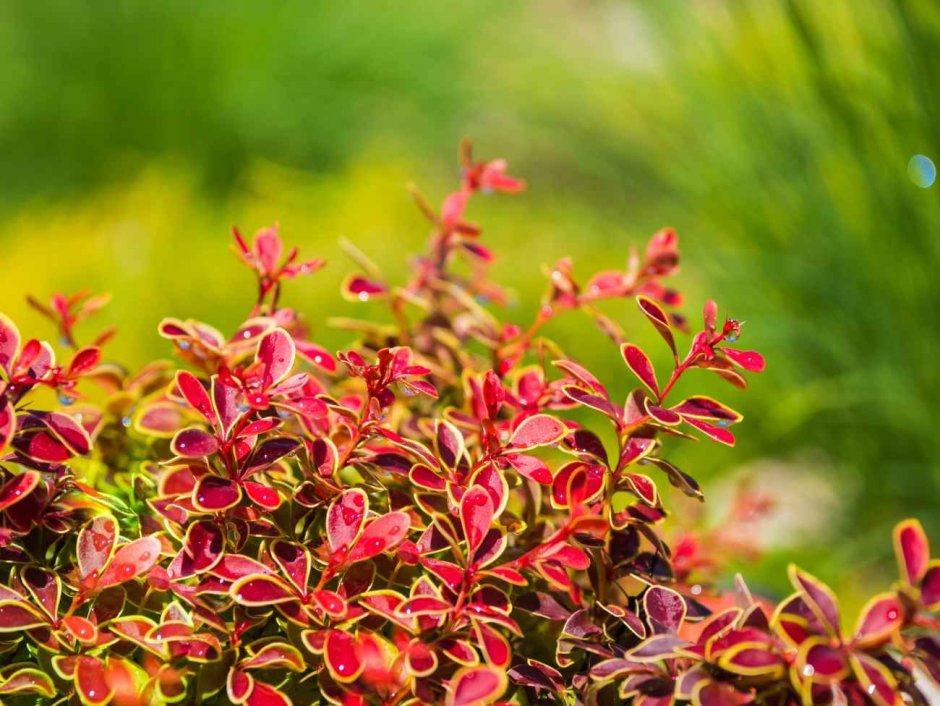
773	134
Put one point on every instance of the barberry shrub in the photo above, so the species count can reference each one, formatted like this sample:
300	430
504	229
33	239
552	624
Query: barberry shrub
417	520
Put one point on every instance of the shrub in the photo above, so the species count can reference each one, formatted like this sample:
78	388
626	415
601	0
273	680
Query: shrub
417	520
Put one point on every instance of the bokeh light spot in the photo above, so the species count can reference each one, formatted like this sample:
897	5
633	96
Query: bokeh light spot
922	171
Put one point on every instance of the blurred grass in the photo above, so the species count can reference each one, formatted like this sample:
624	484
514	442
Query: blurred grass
774	134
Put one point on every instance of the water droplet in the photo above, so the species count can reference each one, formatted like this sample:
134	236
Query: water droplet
922	171
184	345
870	689
91	693
246	334
243	408
809	670
318	359
126	421
892	614
65	399
731	338
696	590
63	340
363	296
722	423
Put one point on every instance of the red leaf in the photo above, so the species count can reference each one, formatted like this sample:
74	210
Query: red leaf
718	434
260	590
18	488
538	430
90	681
530	467
332	603
44	586
28	681
665	609
266	695
16	616
658	318
381	534
294	561
475	686
345	518
276	351
749	360
912	551
7	424
194	443
215	494
159	418
83	361
342	656
81	629
202	549
9	343
423	477
95	545
130	561
641	366
359	288
239	686
195	394
275	655
881	618
476	516
930	588
264	496
495	647
818	596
